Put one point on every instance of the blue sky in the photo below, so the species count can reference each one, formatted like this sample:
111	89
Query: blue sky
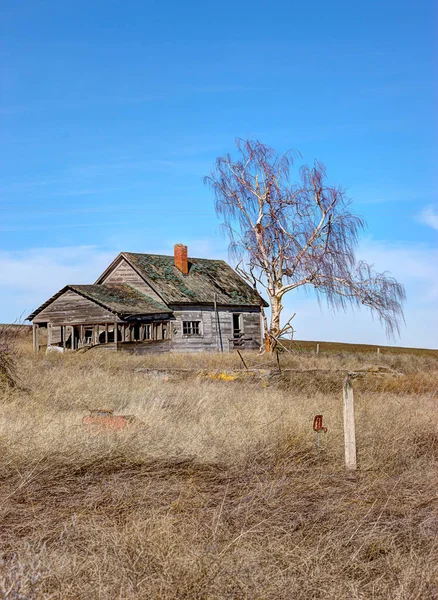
112	112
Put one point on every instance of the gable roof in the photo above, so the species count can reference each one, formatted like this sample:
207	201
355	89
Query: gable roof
206	278
121	299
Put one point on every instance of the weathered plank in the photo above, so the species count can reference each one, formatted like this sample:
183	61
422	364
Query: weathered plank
74	309
215	327
124	273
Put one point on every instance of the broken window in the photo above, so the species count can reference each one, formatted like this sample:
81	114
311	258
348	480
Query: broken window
191	327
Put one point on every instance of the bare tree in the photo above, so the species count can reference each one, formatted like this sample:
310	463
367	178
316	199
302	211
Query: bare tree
289	234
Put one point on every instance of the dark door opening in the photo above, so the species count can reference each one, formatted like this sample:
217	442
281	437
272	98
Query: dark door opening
237	329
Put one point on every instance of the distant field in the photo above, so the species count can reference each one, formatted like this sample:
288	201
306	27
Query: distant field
335	347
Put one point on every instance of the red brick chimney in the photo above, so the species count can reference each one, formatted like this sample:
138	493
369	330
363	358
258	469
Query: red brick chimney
181	260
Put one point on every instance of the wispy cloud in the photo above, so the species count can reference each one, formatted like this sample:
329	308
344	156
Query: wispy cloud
44	270
31	276
429	216
95	101
87	179
225	89
92	102
401	195
97	190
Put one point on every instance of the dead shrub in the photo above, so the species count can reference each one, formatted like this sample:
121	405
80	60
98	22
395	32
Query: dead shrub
8	355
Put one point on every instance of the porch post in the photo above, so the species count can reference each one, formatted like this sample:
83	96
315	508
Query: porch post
69	329
35	337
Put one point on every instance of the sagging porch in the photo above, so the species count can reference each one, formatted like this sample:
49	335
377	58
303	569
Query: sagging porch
116	336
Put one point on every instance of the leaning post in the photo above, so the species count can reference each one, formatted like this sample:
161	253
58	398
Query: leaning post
349	427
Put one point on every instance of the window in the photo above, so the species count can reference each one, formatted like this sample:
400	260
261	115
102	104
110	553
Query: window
191	327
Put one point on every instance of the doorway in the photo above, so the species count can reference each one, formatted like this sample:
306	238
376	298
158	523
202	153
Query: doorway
237	329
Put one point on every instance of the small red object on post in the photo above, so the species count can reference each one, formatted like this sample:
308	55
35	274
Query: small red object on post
317	424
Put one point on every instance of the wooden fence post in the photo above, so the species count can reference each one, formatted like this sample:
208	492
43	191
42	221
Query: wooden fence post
241	358
349	428
317	348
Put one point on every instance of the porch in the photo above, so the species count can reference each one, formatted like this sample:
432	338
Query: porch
112	336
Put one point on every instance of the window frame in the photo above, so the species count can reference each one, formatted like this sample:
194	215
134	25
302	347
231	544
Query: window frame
190	334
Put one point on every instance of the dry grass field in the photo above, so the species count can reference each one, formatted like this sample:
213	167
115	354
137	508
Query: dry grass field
337	347
224	493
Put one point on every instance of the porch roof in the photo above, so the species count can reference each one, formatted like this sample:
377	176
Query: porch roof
121	299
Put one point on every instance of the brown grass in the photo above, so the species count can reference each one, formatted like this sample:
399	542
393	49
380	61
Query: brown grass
225	493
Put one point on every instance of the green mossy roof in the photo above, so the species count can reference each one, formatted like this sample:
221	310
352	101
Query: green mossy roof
205	279
121	298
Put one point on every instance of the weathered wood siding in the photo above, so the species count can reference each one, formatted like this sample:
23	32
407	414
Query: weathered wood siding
56	334
124	273
251	324
73	308
212	332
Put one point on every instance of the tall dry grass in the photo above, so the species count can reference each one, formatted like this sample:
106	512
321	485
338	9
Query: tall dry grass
224	494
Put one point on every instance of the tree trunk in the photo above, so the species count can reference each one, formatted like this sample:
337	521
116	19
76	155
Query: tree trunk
274	327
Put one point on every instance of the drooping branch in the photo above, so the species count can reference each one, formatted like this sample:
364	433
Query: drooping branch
378	291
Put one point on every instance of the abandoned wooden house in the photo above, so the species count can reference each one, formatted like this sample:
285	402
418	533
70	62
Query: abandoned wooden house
149	302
